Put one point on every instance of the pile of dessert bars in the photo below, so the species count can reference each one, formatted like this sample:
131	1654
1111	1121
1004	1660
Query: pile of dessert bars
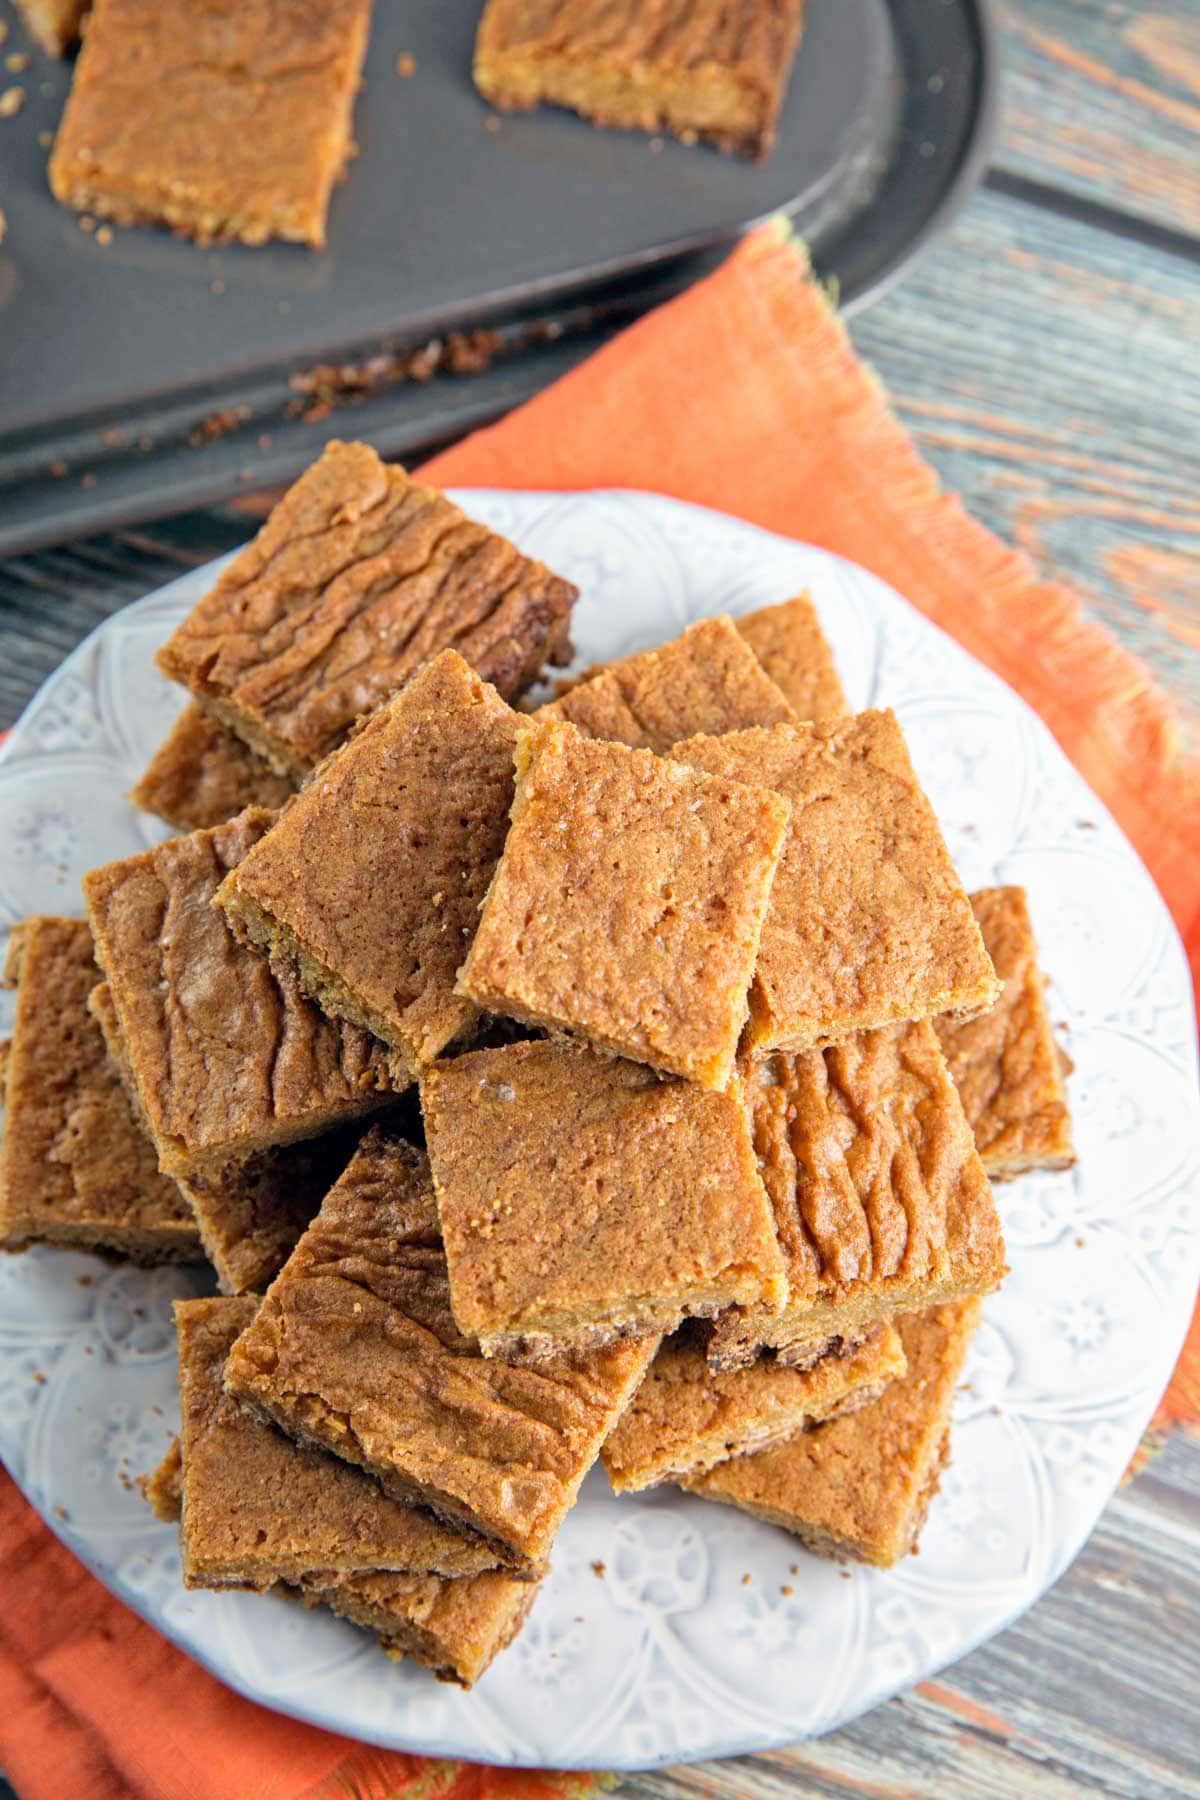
619	1079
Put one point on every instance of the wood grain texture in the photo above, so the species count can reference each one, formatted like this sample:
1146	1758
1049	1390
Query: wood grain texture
1096	1691
1050	371
1101	99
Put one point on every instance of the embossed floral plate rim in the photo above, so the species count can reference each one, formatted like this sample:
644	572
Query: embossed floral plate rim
667	1654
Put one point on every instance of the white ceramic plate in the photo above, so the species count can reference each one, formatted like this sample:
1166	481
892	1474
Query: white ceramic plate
671	1653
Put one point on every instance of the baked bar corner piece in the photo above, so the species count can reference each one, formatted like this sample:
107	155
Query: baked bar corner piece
1006	1064
259	1508
76	1169
868	922
358	577
54	24
355	1349
628	903
718	73
202	774
455	1628
583	1200
708	679
240	138
881	1202
686	1417
859	1488
788	641
414	807
226	1057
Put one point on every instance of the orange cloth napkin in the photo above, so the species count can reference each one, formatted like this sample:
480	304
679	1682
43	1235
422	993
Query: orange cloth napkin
746	395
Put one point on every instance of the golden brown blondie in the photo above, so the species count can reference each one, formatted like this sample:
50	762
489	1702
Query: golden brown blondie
250	1215
76	1169
227	1058
355	1349
868	922
684	66
582	1199
859	1488
707	680
628	903
202	774
358	577
221	122
453	1626
881	1202
368	888
789	643
686	1417
259	1508
1006	1065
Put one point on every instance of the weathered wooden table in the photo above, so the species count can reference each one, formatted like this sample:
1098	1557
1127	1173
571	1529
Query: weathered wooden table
1047	358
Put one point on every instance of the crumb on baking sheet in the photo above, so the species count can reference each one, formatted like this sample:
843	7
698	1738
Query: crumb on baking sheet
11	102
405	64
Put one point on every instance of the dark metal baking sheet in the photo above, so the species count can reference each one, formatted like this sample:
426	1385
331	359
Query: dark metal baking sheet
112	356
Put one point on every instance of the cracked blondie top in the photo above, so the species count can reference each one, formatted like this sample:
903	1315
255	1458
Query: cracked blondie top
227	1057
789	643
859	1488
355	1349
359	577
76	1169
223	122
202	774
583	1199
880	1199
708	679
260	1508
628	903
686	1417
369	886
249	1215
1006	1065
683	66
868	922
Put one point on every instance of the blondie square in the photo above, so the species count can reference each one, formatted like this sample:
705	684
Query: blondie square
202	775
221	121
693	69
53	23
355	1349
415	809
582	1199
226	1057
868	921
707	679
628	903
686	1417
789	643
250	1215
455	1628
859	1488
1006	1065
881	1202
259	1508
356	580
75	1167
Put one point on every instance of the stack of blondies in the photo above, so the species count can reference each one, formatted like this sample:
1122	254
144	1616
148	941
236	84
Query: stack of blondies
617	1079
